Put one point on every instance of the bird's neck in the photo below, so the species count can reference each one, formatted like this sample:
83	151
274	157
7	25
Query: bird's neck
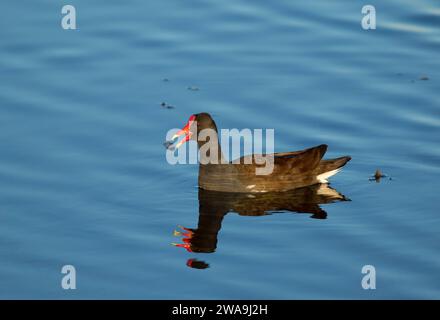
209	148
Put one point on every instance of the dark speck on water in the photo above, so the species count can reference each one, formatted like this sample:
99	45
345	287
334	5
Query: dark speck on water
377	176
166	106
424	78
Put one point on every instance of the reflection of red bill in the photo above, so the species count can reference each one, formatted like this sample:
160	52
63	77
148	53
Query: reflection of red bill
187	246
190	262
197	264
184	131
186	238
189	233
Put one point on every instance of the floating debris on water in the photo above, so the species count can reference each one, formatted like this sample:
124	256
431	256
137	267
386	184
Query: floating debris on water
193	88
166	106
166	80
377	176
424	78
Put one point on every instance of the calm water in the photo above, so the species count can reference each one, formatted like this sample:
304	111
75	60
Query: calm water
83	175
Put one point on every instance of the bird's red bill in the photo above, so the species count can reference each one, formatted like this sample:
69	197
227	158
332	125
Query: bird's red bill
184	131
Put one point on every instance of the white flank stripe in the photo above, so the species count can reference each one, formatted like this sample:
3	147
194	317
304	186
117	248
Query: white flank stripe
324	176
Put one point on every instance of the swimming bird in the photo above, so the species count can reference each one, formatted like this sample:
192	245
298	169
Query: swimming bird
290	170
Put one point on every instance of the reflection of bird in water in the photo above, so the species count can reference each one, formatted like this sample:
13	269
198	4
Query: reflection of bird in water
214	205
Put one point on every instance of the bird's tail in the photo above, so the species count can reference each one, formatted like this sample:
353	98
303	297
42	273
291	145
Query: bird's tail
330	167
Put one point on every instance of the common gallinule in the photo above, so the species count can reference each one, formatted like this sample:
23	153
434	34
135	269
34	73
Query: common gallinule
291	170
